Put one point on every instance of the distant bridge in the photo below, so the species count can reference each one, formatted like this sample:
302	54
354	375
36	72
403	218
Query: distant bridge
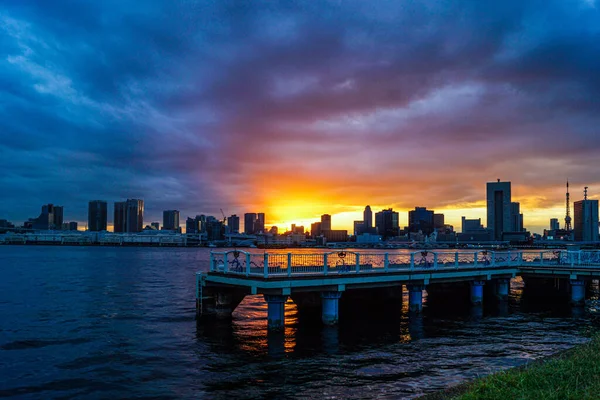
322	278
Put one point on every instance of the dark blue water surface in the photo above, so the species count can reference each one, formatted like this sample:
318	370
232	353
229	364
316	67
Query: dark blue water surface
102	322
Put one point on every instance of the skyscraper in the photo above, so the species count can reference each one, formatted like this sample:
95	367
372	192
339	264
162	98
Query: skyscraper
367	220
97	215
386	222
119	216
325	222
554	224
249	223
51	217
259	223
171	220
516	218
438	221
234	224
498	208
585	226
420	219
135	215
129	216
315	229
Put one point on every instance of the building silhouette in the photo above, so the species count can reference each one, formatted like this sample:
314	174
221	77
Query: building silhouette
315	229
516	218
498	208
585	226
50	218
233	222
367	220
259	223
420	219
325	222
129	216
439	221
554	225
97	215
386	222
171	220
249	223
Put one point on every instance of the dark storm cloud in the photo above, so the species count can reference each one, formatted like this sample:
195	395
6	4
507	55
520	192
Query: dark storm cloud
202	105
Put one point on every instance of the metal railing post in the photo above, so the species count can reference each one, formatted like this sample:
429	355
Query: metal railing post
579	258
289	267
266	266
412	261
357	262
226	264
493	263
541	258
456	259
435	261
509	258
248	264
475	258
212	262
386	262
325	266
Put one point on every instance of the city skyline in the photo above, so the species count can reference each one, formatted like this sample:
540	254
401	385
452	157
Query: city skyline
298	110
335	220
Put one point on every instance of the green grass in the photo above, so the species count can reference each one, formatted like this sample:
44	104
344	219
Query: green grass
574	374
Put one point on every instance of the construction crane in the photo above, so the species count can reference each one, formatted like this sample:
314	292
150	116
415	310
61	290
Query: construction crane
223	214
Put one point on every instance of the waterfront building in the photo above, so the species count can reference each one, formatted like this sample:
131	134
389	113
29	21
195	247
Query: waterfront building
97	215
259	224
50	218
6	224
315	229
274	230
554	225
336	235
155	225
249	223
439	221
325	222
499	208
129	216
516	218
72	226
171	220
233	222
359	228
420	219
367	220
120	208
297	229
192	225
585	226
386	222
471	225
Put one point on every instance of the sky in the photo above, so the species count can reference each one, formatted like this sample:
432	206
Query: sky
298	108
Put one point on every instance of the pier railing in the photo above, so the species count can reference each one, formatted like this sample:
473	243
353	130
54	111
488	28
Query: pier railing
350	262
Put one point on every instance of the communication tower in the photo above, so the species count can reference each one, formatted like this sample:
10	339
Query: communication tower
568	215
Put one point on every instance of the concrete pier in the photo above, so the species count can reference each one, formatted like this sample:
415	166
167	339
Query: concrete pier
415	298
477	292
330	307
577	292
502	289
275	311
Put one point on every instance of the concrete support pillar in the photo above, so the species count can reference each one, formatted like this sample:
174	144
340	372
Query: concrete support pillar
224	305
577	292
330	307
502	288
275	311
415	298
477	292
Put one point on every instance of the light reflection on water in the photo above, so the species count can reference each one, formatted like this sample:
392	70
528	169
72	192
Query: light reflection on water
119	322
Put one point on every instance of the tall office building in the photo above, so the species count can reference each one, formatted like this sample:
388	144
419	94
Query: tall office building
439	221
233	222
259	223
359	228
386	222
129	216
97	215
498	208
249	223
325	222
585	226
50	218
367	220
120	212
135	215
554	225
315	229
420	219
171	220
516	218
